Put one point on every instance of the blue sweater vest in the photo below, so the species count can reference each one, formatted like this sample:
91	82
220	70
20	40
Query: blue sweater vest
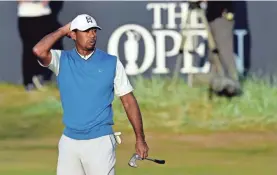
86	92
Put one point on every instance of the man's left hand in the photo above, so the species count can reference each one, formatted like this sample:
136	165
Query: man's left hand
142	149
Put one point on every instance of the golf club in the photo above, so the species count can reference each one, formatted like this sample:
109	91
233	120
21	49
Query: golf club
136	157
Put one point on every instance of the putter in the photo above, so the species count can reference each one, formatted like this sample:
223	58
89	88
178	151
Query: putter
135	157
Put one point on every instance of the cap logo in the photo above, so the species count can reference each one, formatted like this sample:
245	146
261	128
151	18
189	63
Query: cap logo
89	20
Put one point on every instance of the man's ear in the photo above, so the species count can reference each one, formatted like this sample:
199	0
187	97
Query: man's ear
72	35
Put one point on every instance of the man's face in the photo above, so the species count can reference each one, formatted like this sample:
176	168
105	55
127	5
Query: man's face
86	40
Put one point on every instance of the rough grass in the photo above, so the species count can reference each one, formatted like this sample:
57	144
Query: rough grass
165	106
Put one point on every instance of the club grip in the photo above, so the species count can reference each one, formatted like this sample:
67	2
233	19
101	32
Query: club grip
159	161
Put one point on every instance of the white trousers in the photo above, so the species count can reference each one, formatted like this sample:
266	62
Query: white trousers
87	157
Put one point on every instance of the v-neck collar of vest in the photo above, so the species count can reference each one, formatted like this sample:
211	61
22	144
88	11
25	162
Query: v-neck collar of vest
86	58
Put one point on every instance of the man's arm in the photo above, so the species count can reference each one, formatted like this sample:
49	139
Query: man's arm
134	115
43	47
123	89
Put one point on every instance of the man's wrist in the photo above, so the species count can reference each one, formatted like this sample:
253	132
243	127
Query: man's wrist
140	138
140	141
63	31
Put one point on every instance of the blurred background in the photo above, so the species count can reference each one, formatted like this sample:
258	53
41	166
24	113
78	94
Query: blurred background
203	71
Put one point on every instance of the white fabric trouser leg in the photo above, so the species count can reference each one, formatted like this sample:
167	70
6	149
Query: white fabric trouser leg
87	157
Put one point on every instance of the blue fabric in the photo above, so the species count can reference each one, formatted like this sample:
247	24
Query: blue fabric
87	91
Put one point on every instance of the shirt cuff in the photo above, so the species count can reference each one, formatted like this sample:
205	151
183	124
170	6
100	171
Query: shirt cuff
125	91
44	65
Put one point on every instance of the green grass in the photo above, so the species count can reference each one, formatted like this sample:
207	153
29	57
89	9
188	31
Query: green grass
194	135
213	154
176	108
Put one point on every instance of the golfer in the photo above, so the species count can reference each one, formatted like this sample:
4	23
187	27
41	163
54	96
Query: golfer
88	78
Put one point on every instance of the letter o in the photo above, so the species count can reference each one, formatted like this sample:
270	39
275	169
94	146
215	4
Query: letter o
148	42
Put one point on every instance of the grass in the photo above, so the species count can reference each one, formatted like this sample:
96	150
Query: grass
194	135
186	108
176	108
213	154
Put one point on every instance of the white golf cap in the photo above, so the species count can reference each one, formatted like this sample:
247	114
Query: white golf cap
83	22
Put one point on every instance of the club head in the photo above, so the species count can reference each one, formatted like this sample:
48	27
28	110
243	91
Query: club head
132	161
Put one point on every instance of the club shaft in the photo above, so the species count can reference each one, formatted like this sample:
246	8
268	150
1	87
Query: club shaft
150	159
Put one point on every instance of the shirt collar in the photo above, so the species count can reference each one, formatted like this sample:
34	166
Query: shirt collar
86	56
